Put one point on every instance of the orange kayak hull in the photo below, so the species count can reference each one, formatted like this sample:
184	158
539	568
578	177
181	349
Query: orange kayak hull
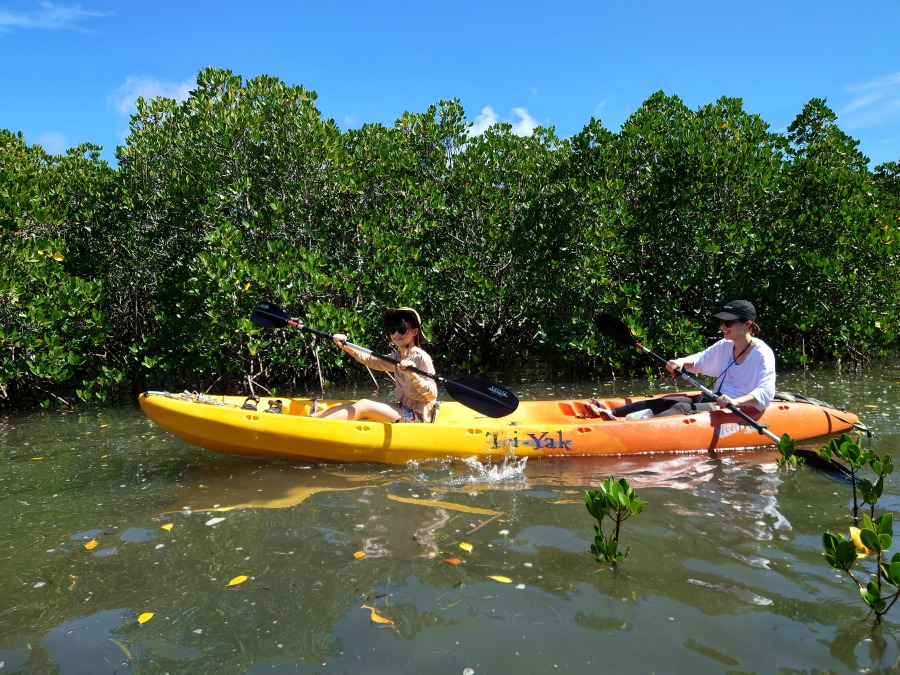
552	428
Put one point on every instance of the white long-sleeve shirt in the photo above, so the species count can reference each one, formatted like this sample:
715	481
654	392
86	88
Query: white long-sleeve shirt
755	376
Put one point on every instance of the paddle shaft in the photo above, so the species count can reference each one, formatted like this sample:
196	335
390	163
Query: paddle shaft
383	357
450	384
733	408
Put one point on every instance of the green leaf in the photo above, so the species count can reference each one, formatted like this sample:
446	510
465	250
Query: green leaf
893	573
870	539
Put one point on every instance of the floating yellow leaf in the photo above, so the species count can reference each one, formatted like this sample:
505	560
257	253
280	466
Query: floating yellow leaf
103	426
144	618
92	544
465	546
861	547
452	561
35	459
502	580
376	617
359	554
238	580
167	527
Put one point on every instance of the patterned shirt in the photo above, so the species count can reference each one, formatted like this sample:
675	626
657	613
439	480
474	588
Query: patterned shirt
414	391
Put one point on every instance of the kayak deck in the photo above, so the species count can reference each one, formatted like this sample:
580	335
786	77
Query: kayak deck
550	428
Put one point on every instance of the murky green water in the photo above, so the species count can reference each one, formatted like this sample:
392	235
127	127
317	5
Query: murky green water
724	572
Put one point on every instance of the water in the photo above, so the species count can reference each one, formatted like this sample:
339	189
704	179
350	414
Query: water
347	565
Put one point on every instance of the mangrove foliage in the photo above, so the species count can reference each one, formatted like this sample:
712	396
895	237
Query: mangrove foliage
116	279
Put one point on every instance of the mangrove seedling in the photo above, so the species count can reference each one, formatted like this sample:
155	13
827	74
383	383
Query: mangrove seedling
789	458
617	501
870	537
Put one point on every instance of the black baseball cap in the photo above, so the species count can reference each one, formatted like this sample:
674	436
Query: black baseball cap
737	310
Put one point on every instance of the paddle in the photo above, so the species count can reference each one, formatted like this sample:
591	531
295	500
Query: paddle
487	398
621	333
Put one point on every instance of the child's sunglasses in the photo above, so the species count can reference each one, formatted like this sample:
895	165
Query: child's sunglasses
399	329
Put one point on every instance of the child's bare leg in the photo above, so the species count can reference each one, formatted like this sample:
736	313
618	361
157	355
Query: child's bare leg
364	408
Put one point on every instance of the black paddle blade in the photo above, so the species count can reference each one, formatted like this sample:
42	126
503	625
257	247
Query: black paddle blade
615	328
269	315
487	398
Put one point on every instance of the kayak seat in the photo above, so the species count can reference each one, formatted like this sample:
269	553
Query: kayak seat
567	408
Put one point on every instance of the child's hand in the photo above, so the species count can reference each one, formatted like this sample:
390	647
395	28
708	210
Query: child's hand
339	339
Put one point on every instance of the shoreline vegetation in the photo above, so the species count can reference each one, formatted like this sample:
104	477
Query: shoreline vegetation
116	280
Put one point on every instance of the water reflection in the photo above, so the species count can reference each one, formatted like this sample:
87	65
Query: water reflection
226	483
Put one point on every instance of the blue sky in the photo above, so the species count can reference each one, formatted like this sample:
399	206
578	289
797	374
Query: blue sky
72	70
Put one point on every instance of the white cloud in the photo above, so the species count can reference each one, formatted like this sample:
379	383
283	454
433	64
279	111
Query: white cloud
124	98
523	126
46	16
875	103
486	119
526	123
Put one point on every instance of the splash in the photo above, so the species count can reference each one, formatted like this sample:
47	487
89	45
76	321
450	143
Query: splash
512	469
471	472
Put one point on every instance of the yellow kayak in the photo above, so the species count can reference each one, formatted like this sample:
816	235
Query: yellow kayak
536	429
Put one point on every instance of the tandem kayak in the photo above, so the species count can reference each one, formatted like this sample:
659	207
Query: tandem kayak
555	428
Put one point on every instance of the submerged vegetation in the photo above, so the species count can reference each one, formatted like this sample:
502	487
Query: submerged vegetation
115	279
